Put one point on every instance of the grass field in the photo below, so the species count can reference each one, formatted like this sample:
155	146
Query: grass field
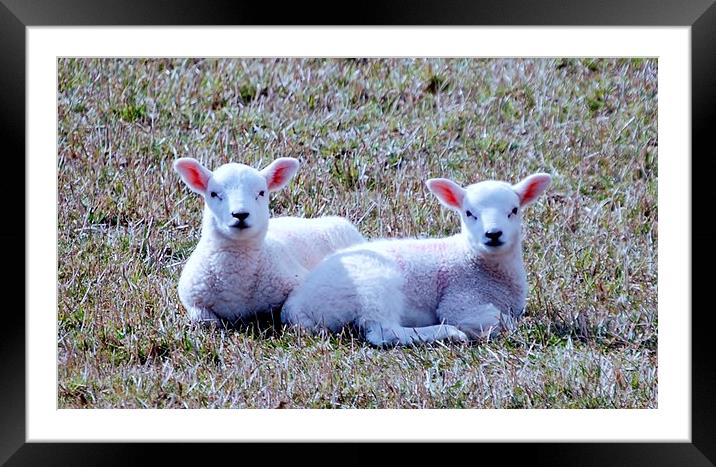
368	133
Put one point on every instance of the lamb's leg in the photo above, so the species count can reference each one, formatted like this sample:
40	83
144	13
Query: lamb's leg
291	316
486	321
386	335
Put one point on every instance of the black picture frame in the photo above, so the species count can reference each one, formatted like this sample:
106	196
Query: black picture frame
17	15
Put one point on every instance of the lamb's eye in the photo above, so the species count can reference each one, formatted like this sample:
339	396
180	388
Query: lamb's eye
468	213
514	210
261	193
213	194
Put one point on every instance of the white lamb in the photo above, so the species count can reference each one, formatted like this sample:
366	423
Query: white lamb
408	291
245	263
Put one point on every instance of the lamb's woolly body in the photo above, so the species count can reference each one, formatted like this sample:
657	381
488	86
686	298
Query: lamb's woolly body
246	263
223	279
410	283
408	291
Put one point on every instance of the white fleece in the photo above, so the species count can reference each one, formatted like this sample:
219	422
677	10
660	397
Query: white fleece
246	263
223	279
406	291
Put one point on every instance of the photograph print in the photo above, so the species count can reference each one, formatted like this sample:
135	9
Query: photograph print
326	233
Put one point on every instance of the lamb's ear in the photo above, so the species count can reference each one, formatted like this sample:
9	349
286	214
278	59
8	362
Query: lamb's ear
448	192
280	172
531	187
195	175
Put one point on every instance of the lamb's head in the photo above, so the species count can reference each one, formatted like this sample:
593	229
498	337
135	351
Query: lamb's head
236	195
490	211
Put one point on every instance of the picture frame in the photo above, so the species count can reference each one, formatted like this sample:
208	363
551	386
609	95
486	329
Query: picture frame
16	16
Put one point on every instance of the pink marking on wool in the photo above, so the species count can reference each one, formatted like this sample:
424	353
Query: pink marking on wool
430	246
398	259
289	236
442	278
438	249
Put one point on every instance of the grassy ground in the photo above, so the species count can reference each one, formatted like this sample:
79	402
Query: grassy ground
368	133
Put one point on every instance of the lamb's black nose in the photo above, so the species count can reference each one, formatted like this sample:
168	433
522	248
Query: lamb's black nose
493	234
240	215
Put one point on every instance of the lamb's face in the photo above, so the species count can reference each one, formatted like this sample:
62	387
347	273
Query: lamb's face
490	211
491	216
236	195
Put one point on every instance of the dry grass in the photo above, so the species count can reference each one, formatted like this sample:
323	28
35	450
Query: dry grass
368	132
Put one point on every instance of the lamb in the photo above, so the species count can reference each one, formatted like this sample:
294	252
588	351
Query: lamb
409	291
245	264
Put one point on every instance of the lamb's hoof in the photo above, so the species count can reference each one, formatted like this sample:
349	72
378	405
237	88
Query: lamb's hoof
455	335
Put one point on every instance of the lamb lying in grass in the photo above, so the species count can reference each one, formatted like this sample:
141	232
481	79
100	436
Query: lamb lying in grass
246	263
409	291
